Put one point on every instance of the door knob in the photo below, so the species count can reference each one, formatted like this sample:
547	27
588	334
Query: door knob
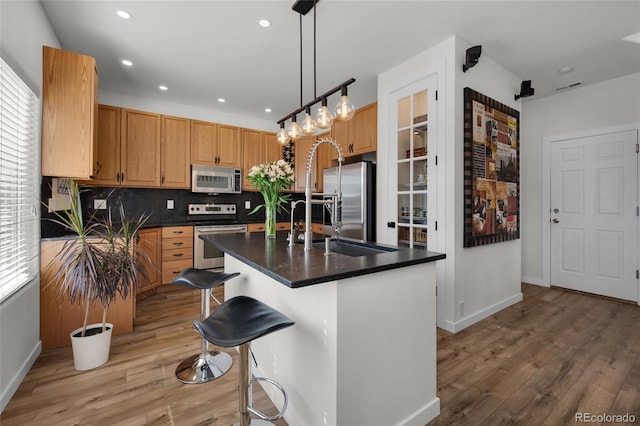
556	221
556	211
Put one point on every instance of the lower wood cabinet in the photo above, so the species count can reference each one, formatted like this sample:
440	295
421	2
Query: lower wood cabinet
150	245
58	317
177	251
260	227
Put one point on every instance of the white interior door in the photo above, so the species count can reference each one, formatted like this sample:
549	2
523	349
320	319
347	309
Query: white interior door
594	222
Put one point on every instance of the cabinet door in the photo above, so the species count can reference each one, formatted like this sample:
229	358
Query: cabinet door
229	151
341	133
273	150
323	160
175	153
69	113
301	155
204	138
365	130
140	148
252	154
106	169
150	245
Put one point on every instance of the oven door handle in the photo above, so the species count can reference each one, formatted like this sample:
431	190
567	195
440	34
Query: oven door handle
222	231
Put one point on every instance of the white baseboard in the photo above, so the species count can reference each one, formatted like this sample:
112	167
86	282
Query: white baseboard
424	415
534	281
19	376
454	327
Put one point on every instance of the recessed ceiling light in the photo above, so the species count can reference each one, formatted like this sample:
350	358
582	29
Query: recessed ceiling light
267	110
163	88
565	70
221	100
123	14
634	38
127	62
264	23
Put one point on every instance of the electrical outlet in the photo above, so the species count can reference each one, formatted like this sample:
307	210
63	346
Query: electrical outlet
170	204
99	204
247	205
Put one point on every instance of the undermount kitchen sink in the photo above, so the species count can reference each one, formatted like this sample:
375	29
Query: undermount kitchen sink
353	248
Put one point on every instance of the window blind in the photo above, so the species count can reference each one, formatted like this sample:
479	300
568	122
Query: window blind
19	183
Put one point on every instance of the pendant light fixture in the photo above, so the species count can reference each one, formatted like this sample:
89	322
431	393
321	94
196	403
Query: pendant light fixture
323	119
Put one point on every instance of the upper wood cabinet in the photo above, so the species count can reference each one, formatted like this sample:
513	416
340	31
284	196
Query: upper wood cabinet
215	144
69	113
106	169
253	153
140	142
272	149
301	155
358	135
175	153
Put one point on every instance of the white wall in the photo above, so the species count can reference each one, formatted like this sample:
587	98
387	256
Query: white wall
611	103
107	97
480	280
24	29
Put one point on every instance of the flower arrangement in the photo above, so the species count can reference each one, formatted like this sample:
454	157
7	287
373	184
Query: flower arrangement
270	179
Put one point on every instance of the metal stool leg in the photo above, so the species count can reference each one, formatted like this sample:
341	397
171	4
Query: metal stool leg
205	366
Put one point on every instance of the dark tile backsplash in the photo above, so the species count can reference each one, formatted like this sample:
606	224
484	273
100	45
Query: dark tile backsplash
154	202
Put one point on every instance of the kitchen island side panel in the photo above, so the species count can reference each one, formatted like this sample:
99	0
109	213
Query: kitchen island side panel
362	351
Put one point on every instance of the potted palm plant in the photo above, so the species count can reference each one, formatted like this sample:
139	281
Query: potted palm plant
92	269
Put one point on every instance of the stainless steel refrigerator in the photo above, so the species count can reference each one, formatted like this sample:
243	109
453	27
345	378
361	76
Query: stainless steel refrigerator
358	200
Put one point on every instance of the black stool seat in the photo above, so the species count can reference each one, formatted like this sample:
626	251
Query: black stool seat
201	278
239	320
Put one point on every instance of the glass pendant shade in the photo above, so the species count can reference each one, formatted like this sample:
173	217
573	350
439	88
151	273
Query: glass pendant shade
308	124
281	136
294	131
344	109
324	120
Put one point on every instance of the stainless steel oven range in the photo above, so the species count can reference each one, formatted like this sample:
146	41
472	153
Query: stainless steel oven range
205	256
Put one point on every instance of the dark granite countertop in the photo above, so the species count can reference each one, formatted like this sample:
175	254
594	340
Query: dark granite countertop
294	267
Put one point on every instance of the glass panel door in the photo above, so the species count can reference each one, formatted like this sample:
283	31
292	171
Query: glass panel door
412	174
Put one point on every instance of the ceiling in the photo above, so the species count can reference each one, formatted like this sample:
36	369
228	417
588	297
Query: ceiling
205	50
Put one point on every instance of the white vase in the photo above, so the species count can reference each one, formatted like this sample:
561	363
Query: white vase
91	351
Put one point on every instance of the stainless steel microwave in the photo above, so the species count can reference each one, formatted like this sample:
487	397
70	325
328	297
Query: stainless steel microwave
216	180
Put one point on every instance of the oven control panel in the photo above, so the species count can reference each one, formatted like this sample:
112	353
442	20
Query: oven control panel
202	209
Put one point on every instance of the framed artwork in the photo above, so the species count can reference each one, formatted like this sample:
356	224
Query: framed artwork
491	170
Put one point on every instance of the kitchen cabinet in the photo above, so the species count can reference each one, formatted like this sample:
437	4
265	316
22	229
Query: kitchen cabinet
177	251
69	113
321	161
215	144
257	148
253	153
58	317
140	144
106	169
150	245
260	227
358	135
175	153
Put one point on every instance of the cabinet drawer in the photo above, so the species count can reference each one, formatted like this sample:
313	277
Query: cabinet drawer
177	231
283	226
171	269
177	254
255	227
174	243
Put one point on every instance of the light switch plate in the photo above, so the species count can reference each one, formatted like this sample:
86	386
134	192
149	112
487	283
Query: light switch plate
99	204
169	204
247	204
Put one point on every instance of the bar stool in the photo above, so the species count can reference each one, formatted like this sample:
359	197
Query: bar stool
204	366
237	322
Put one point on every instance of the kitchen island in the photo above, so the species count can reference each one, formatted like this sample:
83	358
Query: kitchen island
363	349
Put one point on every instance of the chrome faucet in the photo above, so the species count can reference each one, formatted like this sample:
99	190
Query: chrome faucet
334	198
292	232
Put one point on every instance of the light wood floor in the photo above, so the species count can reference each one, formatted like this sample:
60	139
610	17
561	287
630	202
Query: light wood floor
137	386
538	362
541	361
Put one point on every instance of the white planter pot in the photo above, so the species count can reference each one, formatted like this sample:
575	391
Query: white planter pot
91	351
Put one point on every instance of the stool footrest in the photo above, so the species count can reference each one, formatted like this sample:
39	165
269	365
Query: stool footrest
280	388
